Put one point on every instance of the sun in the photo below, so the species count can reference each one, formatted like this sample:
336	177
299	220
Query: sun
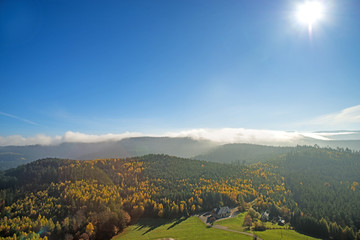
310	12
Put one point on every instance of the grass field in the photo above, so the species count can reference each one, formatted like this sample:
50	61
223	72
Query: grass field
278	234
270	225
190	228
193	228
235	223
275	234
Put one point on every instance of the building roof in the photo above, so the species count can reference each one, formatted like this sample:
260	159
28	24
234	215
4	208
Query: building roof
265	214
222	210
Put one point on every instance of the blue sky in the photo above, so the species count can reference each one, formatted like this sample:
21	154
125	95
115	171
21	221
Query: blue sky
99	67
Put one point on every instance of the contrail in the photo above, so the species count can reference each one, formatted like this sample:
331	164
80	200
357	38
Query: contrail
18	118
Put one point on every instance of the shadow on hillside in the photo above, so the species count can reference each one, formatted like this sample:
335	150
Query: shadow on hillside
180	220
152	224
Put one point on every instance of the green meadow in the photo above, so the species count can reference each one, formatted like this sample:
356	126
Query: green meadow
184	228
235	223
279	234
193	228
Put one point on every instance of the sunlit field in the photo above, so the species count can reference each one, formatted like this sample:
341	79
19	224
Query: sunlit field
278	234
190	228
193	228
235	223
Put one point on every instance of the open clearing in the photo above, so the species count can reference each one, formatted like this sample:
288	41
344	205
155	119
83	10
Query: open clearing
184	228
278	234
235	223
194	228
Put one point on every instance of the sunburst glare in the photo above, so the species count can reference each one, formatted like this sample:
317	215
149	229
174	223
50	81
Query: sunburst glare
309	13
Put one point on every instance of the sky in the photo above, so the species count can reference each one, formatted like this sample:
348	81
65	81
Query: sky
154	67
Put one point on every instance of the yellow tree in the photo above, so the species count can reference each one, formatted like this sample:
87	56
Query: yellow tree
161	210
90	228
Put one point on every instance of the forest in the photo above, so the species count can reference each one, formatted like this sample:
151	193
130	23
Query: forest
312	188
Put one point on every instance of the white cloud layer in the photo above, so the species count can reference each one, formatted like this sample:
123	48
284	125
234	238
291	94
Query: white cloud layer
348	118
222	135
236	135
69	136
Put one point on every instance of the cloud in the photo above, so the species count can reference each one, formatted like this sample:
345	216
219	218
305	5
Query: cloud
17	140
338	120
69	136
86	138
18	118
220	135
236	135
348	118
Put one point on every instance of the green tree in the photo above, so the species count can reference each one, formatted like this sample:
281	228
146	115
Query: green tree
358	235
348	234
323	228
335	231
241	203
247	221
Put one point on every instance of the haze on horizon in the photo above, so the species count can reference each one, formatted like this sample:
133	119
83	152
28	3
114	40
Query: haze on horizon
229	71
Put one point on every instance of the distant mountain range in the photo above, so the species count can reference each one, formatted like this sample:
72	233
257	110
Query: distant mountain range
243	153
12	156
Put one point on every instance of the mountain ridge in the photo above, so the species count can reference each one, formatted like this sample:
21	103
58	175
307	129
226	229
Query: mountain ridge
12	156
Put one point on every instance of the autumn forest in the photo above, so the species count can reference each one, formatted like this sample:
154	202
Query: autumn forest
311	188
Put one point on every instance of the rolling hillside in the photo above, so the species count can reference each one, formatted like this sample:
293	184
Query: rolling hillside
12	156
311	188
244	153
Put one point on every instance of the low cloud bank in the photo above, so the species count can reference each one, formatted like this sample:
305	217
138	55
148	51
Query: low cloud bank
349	117
69	136
236	135
223	135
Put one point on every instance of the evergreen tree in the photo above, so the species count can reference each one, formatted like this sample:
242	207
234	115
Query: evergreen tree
323	228
348	234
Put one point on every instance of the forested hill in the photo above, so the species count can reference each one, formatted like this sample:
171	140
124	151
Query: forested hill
325	183
12	156
56	198
313	188
244	153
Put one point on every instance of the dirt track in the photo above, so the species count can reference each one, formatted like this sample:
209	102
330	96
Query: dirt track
204	217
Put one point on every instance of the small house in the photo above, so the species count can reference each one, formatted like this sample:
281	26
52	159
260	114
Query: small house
221	212
265	216
281	222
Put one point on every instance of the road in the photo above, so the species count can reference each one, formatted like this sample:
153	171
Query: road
203	217
230	230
